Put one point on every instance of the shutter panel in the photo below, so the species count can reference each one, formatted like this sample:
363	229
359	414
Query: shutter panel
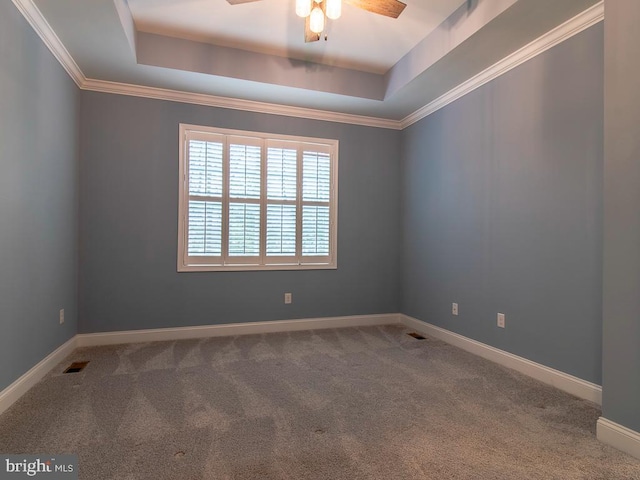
315	230
245	165
205	168
316	176
244	229
282	180
316	191
282	186
281	230
204	233
205	229
244	171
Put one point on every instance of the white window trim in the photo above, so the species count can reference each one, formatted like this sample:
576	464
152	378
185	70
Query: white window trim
183	202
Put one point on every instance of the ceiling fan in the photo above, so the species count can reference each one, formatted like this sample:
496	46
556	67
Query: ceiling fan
315	12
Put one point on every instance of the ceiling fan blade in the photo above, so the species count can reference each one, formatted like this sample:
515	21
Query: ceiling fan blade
309	36
238	2
388	8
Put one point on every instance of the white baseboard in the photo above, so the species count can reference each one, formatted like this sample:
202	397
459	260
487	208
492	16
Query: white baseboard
182	333
13	392
619	437
563	381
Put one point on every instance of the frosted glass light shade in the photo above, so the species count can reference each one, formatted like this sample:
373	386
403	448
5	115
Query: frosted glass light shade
303	8
334	9
316	22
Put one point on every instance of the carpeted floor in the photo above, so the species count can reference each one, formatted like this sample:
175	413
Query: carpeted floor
359	403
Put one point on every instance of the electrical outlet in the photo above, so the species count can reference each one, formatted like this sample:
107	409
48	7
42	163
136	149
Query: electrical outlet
454	308
61	316
501	323
287	298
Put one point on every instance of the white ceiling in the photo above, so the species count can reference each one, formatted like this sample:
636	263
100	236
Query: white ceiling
370	66
358	39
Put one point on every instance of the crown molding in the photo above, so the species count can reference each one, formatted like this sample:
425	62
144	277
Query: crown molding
236	104
571	27
32	14
577	24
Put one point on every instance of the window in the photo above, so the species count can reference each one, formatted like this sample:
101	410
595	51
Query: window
251	201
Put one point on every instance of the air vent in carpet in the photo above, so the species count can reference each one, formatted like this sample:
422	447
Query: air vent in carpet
76	367
415	335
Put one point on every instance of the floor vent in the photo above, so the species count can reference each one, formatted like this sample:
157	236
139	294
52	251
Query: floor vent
76	367
417	336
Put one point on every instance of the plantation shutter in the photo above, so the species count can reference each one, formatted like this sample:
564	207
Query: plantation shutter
250	201
244	210
316	204
204	175
282	193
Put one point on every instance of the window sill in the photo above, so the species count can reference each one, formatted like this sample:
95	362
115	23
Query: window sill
254	268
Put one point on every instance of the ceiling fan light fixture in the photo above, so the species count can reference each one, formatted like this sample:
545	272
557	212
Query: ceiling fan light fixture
303	8
316	21
333	9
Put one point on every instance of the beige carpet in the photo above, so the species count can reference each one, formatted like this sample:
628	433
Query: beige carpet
360	403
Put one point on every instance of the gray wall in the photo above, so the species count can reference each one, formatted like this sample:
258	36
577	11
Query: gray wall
502	210
129	216
39	110
621	313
